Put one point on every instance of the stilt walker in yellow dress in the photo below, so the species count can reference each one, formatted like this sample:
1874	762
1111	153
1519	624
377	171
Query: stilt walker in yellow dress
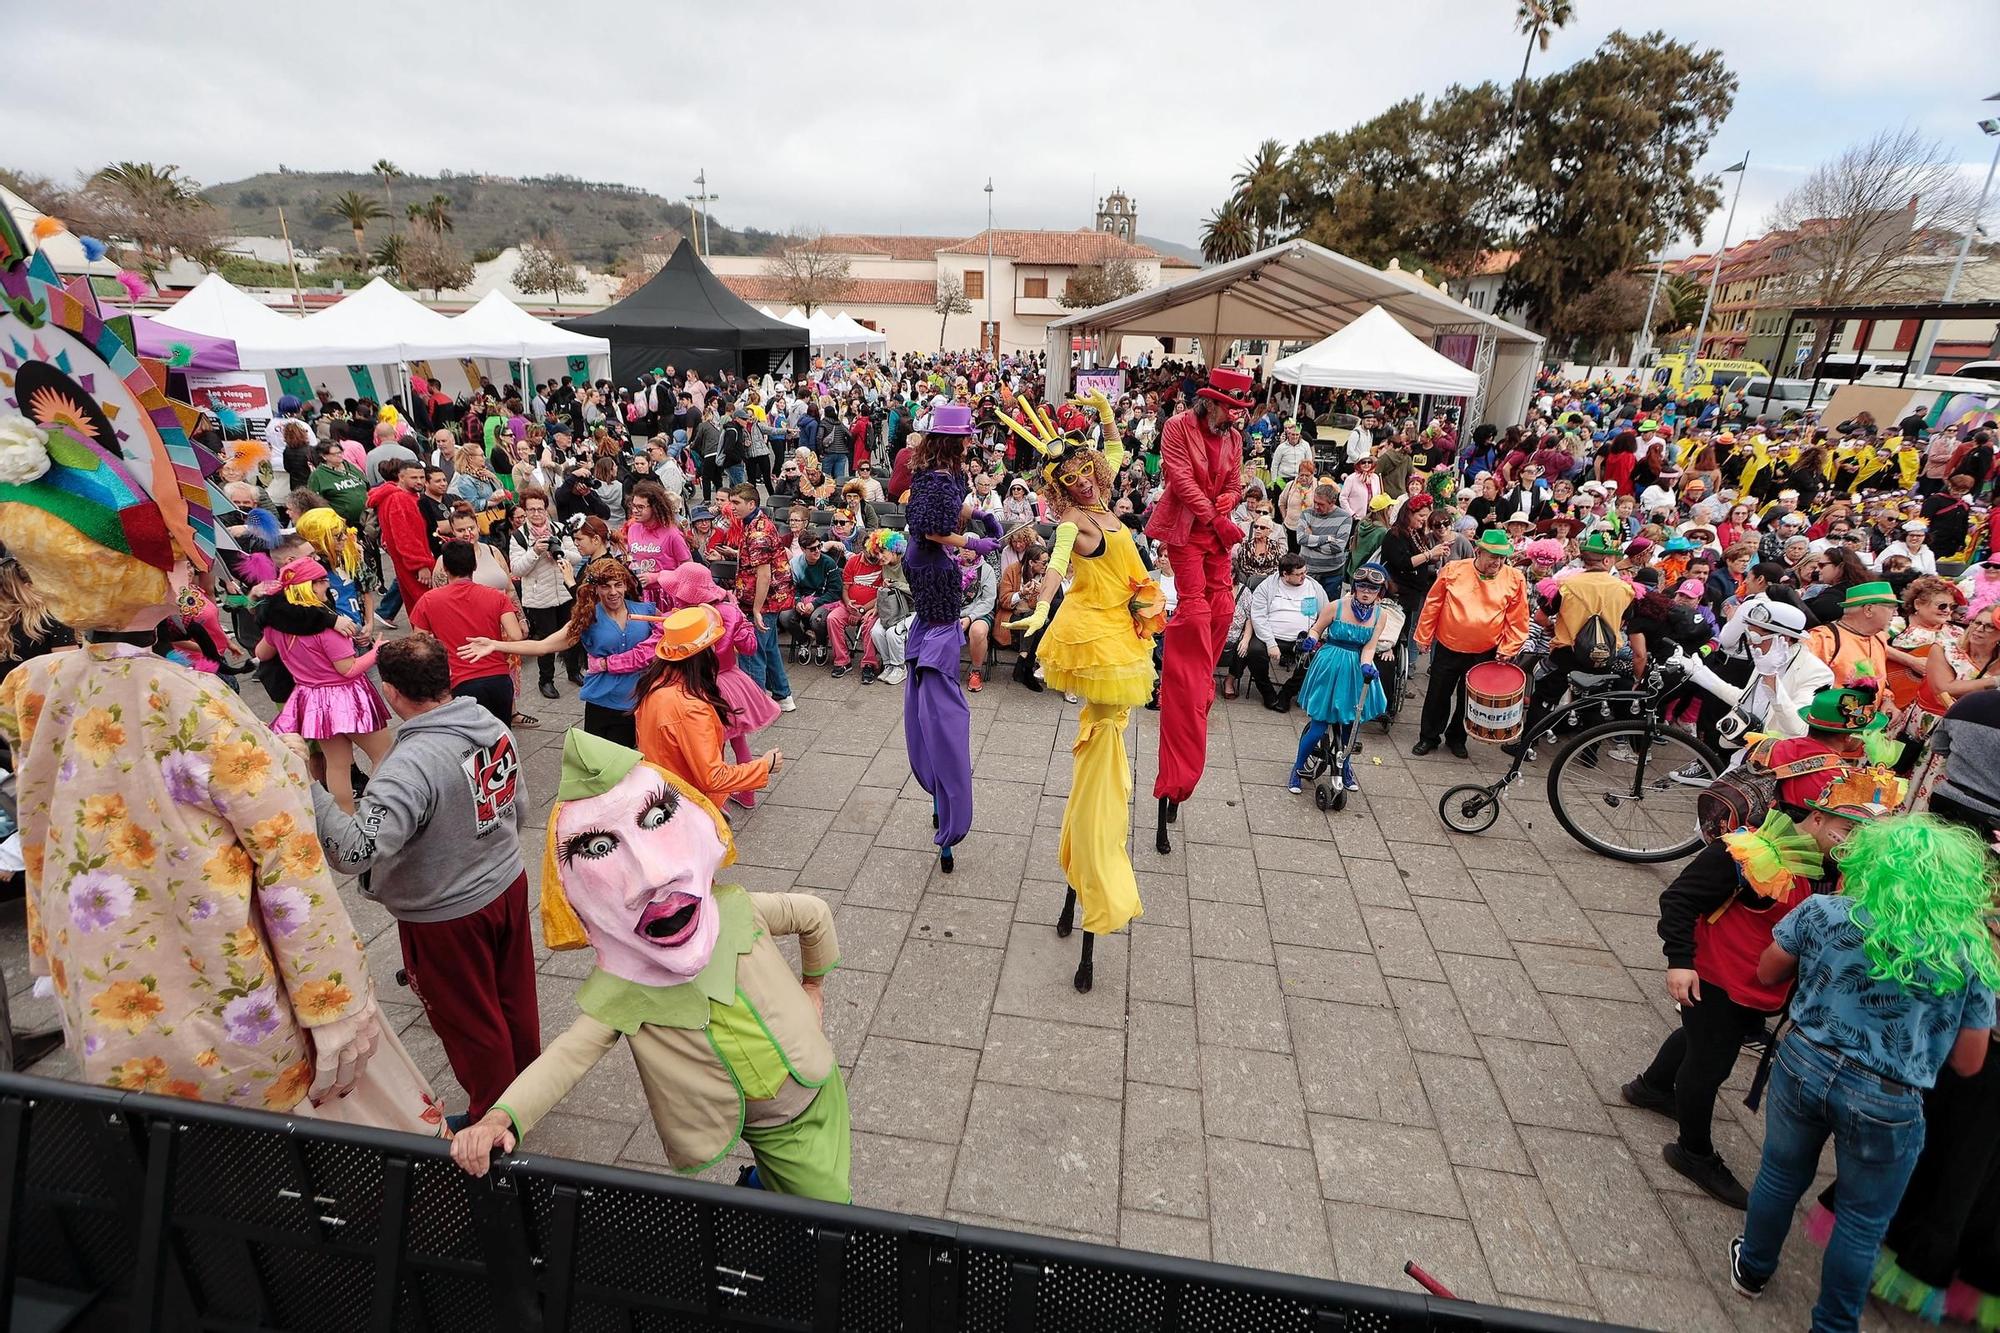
1099	646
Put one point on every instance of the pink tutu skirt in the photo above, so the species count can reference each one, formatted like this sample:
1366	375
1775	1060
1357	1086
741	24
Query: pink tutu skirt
351	708
751	708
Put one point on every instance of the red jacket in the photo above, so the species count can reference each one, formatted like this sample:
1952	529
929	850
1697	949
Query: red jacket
1204	480
404	536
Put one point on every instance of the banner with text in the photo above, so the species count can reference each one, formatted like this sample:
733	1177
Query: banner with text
247	393
1110	383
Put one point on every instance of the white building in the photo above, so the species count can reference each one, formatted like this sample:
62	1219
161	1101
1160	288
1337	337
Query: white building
893	281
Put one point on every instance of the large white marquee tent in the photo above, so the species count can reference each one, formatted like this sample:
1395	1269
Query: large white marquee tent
1375	352
1294	291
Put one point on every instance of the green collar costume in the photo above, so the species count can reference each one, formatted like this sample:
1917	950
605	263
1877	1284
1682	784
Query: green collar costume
627	1005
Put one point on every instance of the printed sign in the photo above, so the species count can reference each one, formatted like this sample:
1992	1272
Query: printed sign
364	382
579	371
246	393
1110	383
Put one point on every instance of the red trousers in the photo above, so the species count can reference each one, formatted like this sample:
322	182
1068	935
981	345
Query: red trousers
475	976
1205	589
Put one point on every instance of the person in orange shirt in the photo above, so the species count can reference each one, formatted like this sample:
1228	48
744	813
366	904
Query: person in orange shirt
682	716
1477	610
1856	646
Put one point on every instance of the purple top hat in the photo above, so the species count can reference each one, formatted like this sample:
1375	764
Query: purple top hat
951	419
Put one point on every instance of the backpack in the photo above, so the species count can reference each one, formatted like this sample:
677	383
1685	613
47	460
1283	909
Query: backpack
732	445
1742	796
1595	644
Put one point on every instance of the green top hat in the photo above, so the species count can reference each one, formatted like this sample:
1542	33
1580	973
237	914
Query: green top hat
1599	542
1841	708
592	766
1495	542
1869	594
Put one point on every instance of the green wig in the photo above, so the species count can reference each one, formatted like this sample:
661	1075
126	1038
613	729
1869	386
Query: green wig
1922	890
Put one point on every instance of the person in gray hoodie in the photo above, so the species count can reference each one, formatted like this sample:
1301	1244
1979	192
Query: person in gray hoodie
436	837
1323	530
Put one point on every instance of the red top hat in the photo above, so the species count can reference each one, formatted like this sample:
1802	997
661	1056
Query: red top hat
1229	387
1558	525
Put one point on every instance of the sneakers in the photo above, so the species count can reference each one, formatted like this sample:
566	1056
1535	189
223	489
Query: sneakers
788	705
1353	783
802	654
1748	1287
1646	1097
1694	775
869	674
1620	753
890	675
820	654
1294	786
840	671
975	684
1713	1175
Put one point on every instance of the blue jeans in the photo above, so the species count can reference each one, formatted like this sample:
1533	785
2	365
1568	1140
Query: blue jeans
737	474
835	465
1878	1131
392	601
767	665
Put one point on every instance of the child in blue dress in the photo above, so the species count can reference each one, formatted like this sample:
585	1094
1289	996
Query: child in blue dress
1343	673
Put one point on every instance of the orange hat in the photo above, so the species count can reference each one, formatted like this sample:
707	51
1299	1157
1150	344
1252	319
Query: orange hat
687	631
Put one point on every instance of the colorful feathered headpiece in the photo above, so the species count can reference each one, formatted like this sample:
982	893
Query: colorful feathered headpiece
103	492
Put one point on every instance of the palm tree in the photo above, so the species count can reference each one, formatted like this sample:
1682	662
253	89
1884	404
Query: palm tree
146	185
1227	234
388	255
357	210
390	173
1538	19
1682	297
1260	190
437	213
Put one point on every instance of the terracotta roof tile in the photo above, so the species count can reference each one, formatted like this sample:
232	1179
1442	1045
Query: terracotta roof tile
859	291
1491	262
890	247
1082	246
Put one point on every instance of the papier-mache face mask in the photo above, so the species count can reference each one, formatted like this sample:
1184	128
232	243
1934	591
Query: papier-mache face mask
632	858
105	499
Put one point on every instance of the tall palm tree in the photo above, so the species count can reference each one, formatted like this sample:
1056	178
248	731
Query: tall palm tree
146	184
390	173
1682	297
357	210
437	212
1260	190
1228	234
1538	19
150	203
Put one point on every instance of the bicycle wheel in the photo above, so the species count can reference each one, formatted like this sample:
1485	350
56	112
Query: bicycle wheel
1469	808
1628	788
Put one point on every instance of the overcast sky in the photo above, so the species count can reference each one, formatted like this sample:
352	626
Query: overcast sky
888	116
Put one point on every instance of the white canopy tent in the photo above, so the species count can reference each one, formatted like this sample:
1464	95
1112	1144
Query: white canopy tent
264	338
379	314
1296	290
859	335
796	318
1375	352
497	321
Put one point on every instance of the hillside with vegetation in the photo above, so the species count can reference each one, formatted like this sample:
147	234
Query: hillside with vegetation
600	223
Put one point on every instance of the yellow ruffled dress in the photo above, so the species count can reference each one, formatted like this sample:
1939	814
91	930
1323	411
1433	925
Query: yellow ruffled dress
1092	649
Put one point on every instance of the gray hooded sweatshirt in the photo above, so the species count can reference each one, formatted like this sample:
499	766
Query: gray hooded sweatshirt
440	824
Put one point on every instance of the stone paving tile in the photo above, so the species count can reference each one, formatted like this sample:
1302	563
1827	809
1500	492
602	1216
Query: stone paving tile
1165	1159
1401	947
1470	1114
871	939
1610	1214
1038	980
866	808
981	921
1060	1057
1157	1233
940	992
1330	974
988	865
1595	973
1313	855
1237	1004
1644	1300
1433	871
1354	1061
1432	1020
1039	1157
1354	832
1265	1209
1456	927
1313	909
1161	1046
1395	1166
1498	998
1222	874
1543	1085
1164	898
1371	1245
1523	1243
1252	1096
1612	1041
1635	939
1204	821
1229	930
1536	911
1161	964
835	861
912	1089
891	877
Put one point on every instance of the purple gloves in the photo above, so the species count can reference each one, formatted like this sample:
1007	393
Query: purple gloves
983	546
1369	671
991	522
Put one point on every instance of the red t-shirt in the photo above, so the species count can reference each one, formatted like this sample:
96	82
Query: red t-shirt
459	612
863	580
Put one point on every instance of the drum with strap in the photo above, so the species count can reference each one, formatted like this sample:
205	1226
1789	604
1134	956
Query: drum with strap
1496	702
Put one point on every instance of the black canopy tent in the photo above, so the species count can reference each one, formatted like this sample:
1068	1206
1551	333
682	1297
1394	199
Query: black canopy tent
685	317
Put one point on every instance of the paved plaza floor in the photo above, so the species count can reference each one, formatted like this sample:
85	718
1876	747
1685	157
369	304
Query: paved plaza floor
1334	1042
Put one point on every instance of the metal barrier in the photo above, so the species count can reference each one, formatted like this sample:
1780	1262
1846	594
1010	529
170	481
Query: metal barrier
120	1210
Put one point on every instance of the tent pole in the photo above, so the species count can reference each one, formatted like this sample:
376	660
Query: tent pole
1298	392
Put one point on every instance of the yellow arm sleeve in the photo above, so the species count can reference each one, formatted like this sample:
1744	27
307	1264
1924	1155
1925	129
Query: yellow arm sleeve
1065	542
1114	443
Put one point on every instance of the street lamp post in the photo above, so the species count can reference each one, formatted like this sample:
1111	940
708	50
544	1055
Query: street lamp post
1922	360
1690	369
701	199
989	270
1644	347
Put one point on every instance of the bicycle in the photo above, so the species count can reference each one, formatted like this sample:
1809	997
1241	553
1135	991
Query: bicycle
1647	815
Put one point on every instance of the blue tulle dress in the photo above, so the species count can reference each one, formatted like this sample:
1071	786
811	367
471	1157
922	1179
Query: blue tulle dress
1333	682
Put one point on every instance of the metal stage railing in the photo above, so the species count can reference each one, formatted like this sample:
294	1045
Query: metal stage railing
120	1210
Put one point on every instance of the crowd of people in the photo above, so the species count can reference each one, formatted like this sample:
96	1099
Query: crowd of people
682	545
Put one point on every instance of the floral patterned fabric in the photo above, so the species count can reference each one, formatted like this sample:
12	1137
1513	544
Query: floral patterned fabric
177	896
763	544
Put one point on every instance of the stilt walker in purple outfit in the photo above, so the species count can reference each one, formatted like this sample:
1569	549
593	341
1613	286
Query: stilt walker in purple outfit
937	721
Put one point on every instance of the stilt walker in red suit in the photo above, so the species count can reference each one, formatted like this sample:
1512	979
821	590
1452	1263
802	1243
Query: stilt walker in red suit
1201	462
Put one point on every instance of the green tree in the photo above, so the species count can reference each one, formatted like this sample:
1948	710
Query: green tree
1538	19
357	210
158	209
1604	173
390	174
1261	188
1614	307
1227	234
388	256
546	266
432	261
1094	285
1680	303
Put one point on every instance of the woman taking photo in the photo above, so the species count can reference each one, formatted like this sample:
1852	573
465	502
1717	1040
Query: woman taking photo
617	630
682	716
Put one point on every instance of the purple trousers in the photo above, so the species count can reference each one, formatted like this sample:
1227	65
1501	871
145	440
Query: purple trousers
937	726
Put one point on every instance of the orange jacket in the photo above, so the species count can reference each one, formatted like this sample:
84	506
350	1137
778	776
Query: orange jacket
1470	614
682	734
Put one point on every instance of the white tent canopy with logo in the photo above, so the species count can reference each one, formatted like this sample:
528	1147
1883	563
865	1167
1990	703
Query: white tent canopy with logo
497	322
1375	352
1294	291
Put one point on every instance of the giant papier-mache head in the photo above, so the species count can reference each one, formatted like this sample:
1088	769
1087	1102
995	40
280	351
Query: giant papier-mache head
105	499
630	865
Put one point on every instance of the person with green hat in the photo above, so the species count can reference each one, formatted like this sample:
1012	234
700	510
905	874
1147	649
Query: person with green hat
1477	609
1857	645
437	837
1588	618
727	1036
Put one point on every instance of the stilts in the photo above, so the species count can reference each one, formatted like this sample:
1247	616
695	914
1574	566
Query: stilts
1085	970
945	862
1170	812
